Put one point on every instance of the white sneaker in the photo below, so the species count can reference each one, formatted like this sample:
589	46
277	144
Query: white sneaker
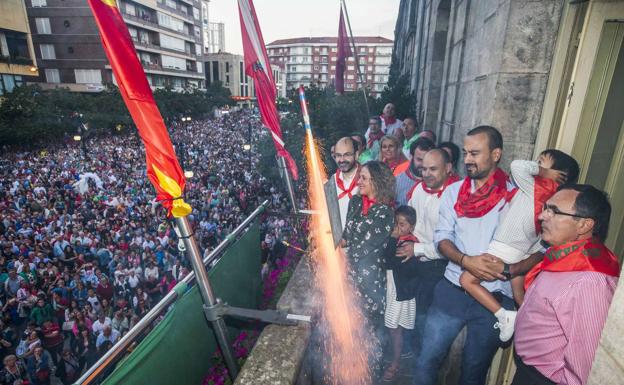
506	325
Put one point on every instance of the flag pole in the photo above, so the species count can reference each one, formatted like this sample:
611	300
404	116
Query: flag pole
205	289
289	185
357	61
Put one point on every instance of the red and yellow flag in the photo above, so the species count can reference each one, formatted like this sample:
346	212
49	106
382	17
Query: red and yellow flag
163	169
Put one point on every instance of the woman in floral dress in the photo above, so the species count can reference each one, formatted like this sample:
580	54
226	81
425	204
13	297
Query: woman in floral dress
370	220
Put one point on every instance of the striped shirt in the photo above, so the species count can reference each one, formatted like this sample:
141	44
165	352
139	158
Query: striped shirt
427	206
515	235
559	325
403	185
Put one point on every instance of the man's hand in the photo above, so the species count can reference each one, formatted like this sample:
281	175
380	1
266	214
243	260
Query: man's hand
486	267
406	250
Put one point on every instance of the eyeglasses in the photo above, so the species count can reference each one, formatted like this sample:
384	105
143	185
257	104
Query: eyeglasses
551	211
345	155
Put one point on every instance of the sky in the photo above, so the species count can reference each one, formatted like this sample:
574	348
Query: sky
281	19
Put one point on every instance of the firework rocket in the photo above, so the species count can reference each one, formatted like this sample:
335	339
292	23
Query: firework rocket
304	110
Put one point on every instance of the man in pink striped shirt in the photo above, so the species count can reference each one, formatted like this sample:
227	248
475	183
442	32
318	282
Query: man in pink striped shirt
569	292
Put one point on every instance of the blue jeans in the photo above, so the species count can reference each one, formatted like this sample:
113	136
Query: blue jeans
450	311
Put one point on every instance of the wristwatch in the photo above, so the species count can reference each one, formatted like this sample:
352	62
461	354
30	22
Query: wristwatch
506	271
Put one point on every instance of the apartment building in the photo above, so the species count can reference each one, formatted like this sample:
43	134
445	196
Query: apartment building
309	60
167	35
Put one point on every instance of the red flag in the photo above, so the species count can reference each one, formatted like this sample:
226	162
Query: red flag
344	51
258	68
163	169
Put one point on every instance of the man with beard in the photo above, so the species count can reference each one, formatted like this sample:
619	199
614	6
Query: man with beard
437	176
342	186
408	179
468	216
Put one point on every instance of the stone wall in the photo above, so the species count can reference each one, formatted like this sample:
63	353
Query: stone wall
277	356
482	62
608	366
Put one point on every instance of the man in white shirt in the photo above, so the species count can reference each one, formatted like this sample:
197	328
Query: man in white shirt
342	186
436	173
100	324
389	123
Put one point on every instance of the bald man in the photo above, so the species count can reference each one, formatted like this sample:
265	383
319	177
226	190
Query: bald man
425	199
342	185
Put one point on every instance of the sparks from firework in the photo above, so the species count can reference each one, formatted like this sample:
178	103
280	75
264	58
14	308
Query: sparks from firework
348	344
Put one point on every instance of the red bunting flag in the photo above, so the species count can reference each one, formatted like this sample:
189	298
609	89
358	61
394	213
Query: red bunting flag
258	68
163	169
344	51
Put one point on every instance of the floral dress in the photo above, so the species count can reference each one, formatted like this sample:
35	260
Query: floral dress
367	238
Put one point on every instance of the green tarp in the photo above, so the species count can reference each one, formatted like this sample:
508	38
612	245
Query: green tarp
179	349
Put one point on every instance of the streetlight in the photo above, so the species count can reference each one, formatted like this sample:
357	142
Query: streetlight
246	146
77	138
188	174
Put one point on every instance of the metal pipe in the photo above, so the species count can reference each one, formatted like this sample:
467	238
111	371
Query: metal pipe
357	61
289	186
208	296
120	347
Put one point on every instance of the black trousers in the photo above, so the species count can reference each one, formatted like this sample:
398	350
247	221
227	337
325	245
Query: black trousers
528	375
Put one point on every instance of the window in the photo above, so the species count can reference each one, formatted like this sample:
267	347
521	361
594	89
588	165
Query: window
43	25
173	62
170	42
9	82
363	49
324	59
316	68
52	75
70	49
47	51
88	76
333	49
66	24
350	68
130	9
170	4
133	34
39	3
350	77
196	13
170	22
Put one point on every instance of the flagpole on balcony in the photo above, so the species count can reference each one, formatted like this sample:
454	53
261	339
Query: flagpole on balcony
355	55
205	289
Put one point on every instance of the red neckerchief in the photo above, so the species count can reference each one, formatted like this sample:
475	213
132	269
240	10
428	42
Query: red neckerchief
543	189
340	184
484	199
388	120
583	255
367	203
372	138
450	180
408	238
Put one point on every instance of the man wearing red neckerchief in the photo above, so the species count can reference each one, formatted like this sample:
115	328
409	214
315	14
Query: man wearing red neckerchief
373	137
390	124
565	307
468	217
342	186
425	199
408	179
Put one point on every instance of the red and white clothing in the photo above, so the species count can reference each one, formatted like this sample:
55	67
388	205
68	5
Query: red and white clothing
559	324
346	188
390	125
426	205
516	236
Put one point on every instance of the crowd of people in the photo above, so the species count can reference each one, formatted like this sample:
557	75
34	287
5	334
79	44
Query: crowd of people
86	250
515	258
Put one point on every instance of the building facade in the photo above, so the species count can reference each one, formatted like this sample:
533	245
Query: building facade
311	60
17	55
166	34
548	74
229	69
213	33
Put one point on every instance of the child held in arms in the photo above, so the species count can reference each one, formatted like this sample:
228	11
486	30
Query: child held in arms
518	233
400	287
